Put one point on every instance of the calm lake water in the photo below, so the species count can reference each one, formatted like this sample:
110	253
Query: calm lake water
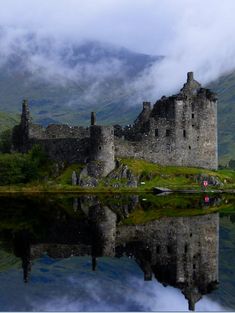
117	253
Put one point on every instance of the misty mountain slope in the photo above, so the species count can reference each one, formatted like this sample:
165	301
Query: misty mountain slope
225	88
8	120
65	104
64	83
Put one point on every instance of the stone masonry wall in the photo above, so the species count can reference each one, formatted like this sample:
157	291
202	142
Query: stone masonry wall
179	130
68	150
56	131
102	147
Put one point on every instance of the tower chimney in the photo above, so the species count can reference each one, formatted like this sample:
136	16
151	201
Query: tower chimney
25	103
189	77
146	105
25	109
93	118
25	115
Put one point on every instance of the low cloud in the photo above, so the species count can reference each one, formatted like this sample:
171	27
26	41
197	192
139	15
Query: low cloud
71	285
193	35
133	294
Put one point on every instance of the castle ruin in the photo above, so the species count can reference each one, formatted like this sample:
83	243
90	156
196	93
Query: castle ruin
179	130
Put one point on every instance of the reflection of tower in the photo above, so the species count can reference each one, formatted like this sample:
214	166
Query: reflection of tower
75	204
184	252
197	257
103	226
26	265
22	250
94	263
143	257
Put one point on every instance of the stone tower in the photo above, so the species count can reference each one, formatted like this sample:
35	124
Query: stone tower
20	134
25	120
185	127
196	122
101	150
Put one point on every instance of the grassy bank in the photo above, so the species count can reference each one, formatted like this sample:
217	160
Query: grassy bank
148	175
176	177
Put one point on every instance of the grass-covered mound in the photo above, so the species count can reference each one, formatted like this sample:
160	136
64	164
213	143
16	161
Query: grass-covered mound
176	177
34	172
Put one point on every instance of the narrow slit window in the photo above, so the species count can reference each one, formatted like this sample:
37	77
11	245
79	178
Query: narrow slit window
184	133
192	115
169	249
189	147
156	132
168	132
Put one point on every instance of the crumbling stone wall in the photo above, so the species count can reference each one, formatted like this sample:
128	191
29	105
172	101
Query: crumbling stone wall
67	150
57	131
179	130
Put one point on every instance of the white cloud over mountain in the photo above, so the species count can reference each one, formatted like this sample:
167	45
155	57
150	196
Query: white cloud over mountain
195	35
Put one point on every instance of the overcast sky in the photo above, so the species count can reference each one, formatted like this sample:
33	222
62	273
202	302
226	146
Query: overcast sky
195	35
149	26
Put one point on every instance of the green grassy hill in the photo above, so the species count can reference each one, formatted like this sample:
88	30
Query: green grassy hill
8	120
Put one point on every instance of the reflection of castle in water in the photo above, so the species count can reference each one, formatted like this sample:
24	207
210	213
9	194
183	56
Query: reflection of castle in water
181	252
178	251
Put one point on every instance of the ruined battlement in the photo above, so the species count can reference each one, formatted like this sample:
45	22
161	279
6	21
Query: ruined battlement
178	130
57	131
191	86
